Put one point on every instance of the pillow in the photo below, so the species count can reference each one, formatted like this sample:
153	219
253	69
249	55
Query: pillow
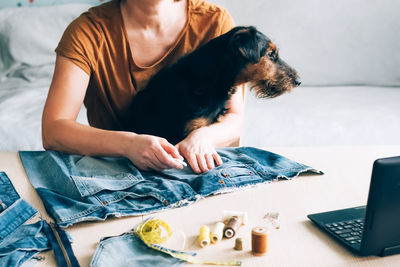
330	42
36	3
28	36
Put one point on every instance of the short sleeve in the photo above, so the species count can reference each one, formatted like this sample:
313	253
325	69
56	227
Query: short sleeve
80	43
227	22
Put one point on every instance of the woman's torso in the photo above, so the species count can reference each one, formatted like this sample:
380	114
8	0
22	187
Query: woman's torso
98	42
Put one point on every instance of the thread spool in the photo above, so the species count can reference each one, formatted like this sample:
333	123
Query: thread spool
259	241
217	232
231	227
238	244
204	236
242	215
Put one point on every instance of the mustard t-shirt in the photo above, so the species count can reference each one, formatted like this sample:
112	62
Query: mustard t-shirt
97	42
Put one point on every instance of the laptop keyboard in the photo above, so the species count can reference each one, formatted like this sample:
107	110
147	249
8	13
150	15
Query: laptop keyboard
349	231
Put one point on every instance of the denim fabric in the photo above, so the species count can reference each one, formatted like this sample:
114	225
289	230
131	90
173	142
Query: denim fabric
75	188
134	251
18	242
61	246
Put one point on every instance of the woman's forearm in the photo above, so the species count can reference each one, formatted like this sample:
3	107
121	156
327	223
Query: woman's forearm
72	137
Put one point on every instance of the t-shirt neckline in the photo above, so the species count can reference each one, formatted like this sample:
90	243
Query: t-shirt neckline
132	63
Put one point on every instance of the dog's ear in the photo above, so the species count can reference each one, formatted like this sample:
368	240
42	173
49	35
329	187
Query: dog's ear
246	42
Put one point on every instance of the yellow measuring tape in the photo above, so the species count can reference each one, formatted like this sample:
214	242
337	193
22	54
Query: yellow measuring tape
155	231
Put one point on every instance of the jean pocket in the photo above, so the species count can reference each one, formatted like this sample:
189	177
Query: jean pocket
88	186
239	174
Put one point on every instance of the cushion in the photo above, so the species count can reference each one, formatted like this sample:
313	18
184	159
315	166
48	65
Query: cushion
28	36
36	3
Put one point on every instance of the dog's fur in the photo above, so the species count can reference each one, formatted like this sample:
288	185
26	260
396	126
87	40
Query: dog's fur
194	91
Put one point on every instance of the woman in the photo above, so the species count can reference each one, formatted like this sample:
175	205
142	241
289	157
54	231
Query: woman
109	53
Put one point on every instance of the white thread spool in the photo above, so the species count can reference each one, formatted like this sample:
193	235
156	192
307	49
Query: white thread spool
217	232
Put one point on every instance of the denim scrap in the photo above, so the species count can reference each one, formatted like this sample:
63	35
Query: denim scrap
60	245
134	251
19	242
77	188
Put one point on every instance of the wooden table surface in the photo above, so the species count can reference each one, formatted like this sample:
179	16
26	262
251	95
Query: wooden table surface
297	243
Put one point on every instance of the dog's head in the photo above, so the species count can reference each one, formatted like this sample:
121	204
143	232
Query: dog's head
268	75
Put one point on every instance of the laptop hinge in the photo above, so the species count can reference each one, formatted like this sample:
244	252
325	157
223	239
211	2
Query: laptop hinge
391	250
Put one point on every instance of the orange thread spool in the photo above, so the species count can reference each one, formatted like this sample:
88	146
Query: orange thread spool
259	241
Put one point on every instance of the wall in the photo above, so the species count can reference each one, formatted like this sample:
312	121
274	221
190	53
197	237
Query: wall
330	42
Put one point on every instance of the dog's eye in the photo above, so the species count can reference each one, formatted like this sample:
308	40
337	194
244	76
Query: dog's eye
272	55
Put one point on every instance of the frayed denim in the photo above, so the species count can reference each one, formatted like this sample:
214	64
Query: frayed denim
76	188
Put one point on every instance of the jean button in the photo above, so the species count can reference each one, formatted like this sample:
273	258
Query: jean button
221	181
166	202
105	202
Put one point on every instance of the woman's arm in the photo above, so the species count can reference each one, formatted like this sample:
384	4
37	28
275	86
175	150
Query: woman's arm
61	132
199	146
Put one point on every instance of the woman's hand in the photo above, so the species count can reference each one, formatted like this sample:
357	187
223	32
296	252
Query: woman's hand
149	152
199	151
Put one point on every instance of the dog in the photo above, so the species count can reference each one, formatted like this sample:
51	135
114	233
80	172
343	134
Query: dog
194	91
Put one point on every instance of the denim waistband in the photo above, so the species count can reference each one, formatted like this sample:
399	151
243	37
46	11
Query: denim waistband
15	211
15	216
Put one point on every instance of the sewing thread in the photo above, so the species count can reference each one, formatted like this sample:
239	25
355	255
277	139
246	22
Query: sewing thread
154	231
204	236
259	240
231	227
217	232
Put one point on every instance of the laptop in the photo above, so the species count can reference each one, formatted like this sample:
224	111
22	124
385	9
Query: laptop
373	229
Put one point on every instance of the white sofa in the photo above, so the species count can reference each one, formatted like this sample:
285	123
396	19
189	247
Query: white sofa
347	53
348	56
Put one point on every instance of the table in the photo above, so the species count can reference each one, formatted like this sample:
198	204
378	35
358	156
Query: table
297	243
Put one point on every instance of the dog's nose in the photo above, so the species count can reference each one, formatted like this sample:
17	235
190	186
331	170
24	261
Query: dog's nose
297	82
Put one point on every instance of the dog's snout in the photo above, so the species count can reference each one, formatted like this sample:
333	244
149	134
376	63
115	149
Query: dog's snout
297	81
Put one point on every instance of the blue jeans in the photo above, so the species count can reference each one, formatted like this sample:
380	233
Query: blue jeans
76	188
134	251
19	242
